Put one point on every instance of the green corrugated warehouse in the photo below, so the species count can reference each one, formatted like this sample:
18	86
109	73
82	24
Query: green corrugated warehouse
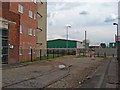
61	43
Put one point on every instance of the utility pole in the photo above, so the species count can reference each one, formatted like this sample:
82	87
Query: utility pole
67	38
115	37
85	41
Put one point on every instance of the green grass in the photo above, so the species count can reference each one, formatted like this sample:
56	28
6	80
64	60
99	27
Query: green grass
48	58
25	62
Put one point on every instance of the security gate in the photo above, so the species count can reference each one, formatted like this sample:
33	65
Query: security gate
5	46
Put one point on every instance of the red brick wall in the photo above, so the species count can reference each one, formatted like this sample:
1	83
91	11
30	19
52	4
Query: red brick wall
0	9
13	32
26	40
10	12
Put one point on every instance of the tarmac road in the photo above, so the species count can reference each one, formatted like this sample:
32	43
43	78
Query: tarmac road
104	77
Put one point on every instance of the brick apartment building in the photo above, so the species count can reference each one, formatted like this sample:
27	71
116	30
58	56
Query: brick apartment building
22	35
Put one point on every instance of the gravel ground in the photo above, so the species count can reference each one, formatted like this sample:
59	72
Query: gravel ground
80	70
47	74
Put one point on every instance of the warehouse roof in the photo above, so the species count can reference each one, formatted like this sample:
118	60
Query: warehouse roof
65	40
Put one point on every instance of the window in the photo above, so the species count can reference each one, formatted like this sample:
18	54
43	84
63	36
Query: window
30	31
20	8
41	1
21	29
34	16
30	13
30	50
34	32
20	50
34	1
34	50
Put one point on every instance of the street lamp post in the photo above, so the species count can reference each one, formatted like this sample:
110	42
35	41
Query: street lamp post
117	41
85	42
117	28
67	26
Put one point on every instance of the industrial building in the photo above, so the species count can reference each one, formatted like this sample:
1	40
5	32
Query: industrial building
112	45
62	43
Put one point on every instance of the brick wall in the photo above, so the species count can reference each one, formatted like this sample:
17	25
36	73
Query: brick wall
10	12
13	32
25	39
0	9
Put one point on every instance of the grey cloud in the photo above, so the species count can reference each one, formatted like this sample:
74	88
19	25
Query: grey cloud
107	20
108	4
51	14
111	18
69	5
84	13
65	5
51	23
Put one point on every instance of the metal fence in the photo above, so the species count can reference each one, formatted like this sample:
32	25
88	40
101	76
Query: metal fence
42	54
106	51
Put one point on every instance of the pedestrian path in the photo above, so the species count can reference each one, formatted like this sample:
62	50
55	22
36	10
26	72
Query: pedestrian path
105	77
111	79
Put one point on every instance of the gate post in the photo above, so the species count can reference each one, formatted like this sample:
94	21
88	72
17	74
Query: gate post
40	54
31	55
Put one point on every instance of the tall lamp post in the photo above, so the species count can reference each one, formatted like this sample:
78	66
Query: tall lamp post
117	41
85	42
67	26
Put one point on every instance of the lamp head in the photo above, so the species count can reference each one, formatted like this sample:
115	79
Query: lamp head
68	25
115	24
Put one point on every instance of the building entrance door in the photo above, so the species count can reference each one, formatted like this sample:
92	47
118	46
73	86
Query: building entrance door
0	45
5	46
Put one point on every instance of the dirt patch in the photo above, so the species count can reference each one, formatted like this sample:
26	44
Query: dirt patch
78	72
80	69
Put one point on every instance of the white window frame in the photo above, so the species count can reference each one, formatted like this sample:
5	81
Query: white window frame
21	29
30	14
34	50
20	50
34	16
29	50
20	8
34	32
30	31
35	1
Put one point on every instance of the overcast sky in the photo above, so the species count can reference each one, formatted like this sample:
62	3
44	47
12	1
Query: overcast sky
95	17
